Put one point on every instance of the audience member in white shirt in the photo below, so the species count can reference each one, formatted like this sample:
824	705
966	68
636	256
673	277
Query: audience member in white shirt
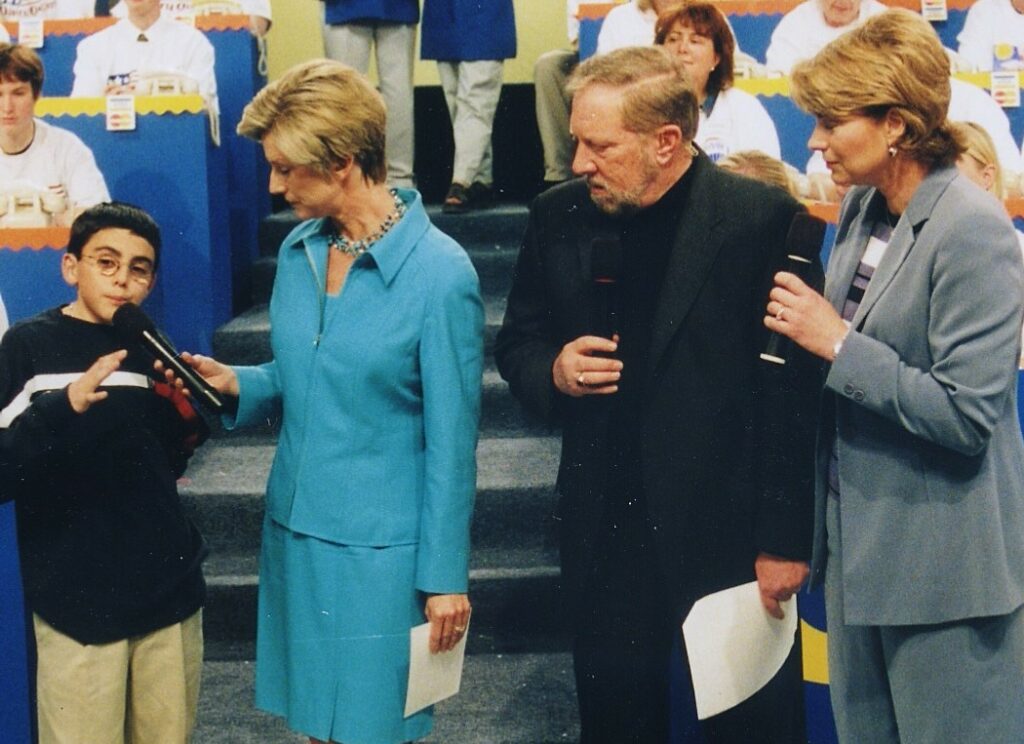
991	22
145	42
34	152
630	24
258	11
731	120
19	10
805	30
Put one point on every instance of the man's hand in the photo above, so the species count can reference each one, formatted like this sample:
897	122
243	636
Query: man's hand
778	579
448	615
578	372
82	393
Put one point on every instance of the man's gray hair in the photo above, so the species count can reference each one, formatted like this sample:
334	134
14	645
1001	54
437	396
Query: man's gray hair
657	90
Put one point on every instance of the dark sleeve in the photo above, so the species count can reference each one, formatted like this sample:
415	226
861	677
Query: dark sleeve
787	414
528	342
29	440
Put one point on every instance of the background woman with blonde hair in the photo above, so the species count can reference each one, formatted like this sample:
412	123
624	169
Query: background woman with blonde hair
919	525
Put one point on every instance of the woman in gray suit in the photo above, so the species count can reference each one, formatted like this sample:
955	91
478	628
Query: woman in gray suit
919	527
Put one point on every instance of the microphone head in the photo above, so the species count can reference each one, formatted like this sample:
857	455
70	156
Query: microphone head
806	234
605	259
131	322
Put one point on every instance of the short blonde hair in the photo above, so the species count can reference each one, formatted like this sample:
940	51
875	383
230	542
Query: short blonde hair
982	150
321	113
893	62
759	166
657	91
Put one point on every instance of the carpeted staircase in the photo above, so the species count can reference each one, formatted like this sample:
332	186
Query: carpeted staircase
518	684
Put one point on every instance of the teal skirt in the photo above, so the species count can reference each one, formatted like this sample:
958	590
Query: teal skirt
332	640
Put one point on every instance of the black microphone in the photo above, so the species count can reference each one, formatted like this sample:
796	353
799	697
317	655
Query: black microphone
605	265
803	248
133	326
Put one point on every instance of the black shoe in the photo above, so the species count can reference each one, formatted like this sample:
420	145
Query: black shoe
480	195
457	200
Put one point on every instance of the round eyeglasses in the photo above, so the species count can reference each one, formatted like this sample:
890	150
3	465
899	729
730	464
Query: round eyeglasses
139	270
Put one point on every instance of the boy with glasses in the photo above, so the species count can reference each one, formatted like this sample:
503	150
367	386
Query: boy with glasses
92	441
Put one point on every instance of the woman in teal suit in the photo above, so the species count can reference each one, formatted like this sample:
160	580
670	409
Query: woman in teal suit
376	331
919	530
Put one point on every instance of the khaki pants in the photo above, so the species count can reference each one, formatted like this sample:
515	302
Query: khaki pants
141	690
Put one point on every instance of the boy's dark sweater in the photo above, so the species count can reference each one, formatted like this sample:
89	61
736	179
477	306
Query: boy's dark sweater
106	549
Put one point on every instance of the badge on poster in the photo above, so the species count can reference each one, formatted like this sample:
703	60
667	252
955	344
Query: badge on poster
30	33
121	113
934	10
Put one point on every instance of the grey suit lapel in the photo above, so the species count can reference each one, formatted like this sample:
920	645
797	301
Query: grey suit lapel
693	253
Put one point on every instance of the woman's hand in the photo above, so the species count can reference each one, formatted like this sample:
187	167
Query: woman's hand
220	376
801	314
448	615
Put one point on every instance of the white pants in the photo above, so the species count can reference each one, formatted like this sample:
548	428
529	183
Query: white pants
471	90
395	47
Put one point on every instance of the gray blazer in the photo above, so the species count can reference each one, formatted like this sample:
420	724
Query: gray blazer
923	402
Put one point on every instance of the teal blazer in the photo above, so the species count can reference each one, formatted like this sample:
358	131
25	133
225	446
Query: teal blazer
379	393
922	402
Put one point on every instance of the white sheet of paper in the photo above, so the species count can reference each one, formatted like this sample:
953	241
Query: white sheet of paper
735	647
432	677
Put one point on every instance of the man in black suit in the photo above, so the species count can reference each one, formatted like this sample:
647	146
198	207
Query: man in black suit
686	460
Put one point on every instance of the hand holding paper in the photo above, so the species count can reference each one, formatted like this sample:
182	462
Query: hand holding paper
734	646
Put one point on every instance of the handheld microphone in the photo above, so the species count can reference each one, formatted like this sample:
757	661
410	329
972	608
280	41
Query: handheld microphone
803	246
133	325
605	265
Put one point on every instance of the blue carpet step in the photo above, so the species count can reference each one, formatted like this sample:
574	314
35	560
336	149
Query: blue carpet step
501	225
223	491
526	698
246	338
494	265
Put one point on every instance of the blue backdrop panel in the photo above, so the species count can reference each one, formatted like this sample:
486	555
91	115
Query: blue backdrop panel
15	704
168	167
793	126
754	32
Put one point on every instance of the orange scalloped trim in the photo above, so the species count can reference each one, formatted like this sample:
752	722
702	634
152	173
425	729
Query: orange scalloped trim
86	26
34	238
159	105
592	11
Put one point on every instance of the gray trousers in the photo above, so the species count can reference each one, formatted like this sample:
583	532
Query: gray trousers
960	681
550	73
471	90
395	46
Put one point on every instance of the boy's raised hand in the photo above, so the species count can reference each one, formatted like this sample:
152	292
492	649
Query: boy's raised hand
82	393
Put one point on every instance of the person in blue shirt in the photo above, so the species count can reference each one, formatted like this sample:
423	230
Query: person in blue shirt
470	41
377	336
352	28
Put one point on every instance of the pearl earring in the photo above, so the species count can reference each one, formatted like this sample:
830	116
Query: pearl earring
892	151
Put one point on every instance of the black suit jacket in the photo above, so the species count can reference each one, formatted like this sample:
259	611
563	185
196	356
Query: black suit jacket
727	439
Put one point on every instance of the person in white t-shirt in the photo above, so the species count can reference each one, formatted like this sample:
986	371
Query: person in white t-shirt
731	120
630	24
258	11
38	154
810	26
145	42
20	10
990	23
